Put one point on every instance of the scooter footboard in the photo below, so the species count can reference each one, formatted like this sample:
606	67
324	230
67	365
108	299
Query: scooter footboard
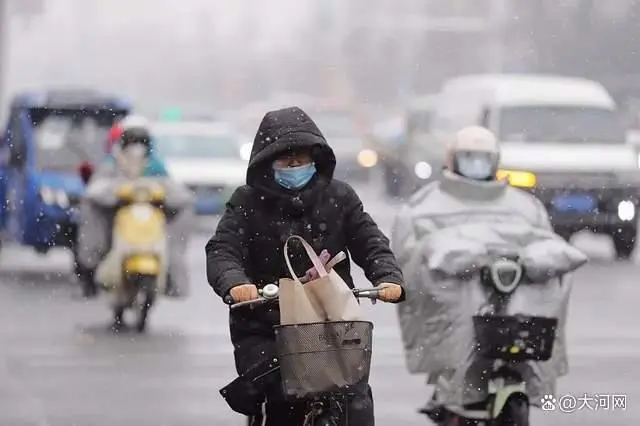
121	262
142	264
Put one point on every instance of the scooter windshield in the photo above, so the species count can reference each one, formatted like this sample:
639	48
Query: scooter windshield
132	161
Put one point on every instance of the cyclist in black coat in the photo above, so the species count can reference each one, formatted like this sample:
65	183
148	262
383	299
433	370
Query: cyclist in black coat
290	190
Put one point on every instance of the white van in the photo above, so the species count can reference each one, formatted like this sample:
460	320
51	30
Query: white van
518	107
561	138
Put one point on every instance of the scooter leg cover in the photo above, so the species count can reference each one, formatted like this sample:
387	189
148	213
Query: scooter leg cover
178	237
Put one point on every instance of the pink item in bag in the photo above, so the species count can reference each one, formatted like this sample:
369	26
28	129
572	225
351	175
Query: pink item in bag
312	274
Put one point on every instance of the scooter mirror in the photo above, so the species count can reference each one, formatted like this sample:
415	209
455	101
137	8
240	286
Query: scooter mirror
85	170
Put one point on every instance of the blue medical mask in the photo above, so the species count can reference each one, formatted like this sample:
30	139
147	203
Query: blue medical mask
294	177
477	167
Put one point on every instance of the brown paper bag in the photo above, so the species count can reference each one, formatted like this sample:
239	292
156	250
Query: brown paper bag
309	359
297	306
332	293
336	298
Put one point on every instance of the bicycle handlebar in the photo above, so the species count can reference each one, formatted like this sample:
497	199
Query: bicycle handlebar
271	292
229	300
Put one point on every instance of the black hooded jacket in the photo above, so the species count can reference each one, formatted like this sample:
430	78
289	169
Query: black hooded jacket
248	244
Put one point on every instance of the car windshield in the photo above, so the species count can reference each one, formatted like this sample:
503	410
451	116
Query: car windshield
186	146
339	128
336	125
560	124
63	141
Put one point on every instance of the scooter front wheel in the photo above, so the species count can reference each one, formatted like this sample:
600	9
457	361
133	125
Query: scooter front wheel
148	289
514	413
320	421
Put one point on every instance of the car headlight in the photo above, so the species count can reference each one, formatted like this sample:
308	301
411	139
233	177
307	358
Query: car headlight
62	199
626	210
518	178
423	170
48	195
245	151
54	197
367	158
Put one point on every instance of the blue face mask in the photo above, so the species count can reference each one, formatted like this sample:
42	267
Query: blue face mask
476	167
294	177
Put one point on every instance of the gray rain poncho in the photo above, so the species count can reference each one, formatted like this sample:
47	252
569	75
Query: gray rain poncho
96	216
446	231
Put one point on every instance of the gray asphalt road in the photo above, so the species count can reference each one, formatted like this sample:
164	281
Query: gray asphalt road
59	366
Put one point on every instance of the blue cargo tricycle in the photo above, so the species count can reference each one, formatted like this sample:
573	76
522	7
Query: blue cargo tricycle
51	139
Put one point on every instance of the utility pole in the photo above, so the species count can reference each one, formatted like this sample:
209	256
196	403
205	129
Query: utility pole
4	32
497	19
25	9
331	21
418	23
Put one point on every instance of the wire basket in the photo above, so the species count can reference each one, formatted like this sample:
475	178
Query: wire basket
325	357
515	338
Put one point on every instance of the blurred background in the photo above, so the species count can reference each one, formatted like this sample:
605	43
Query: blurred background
371	73
226	54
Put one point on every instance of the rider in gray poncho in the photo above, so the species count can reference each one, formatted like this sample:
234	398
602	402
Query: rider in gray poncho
456	218
96	212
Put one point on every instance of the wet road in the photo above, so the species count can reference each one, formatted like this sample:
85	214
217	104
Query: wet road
59	366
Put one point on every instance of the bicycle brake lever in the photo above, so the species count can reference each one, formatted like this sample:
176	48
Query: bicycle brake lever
371	294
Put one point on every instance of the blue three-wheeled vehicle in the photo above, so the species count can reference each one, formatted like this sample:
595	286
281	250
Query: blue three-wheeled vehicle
51	136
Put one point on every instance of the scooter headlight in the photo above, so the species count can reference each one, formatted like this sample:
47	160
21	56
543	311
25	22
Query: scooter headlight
506	275
142	212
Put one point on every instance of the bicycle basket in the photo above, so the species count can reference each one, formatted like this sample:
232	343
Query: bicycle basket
325	357
514	338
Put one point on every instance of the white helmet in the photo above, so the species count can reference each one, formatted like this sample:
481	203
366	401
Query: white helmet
474	153
132	121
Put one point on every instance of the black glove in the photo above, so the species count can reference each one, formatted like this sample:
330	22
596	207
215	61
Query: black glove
246	393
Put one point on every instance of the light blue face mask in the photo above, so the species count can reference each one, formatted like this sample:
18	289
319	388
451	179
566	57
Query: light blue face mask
294	177
475	167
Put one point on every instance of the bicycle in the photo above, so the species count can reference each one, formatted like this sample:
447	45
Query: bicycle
318	361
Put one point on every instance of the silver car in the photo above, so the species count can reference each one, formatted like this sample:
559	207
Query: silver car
355	160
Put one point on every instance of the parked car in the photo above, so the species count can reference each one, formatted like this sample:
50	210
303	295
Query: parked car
347	137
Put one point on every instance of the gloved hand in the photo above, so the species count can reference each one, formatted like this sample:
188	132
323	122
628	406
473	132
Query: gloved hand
244	293
390	292
312	274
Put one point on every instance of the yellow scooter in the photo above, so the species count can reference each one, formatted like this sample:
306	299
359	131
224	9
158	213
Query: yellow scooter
136	267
